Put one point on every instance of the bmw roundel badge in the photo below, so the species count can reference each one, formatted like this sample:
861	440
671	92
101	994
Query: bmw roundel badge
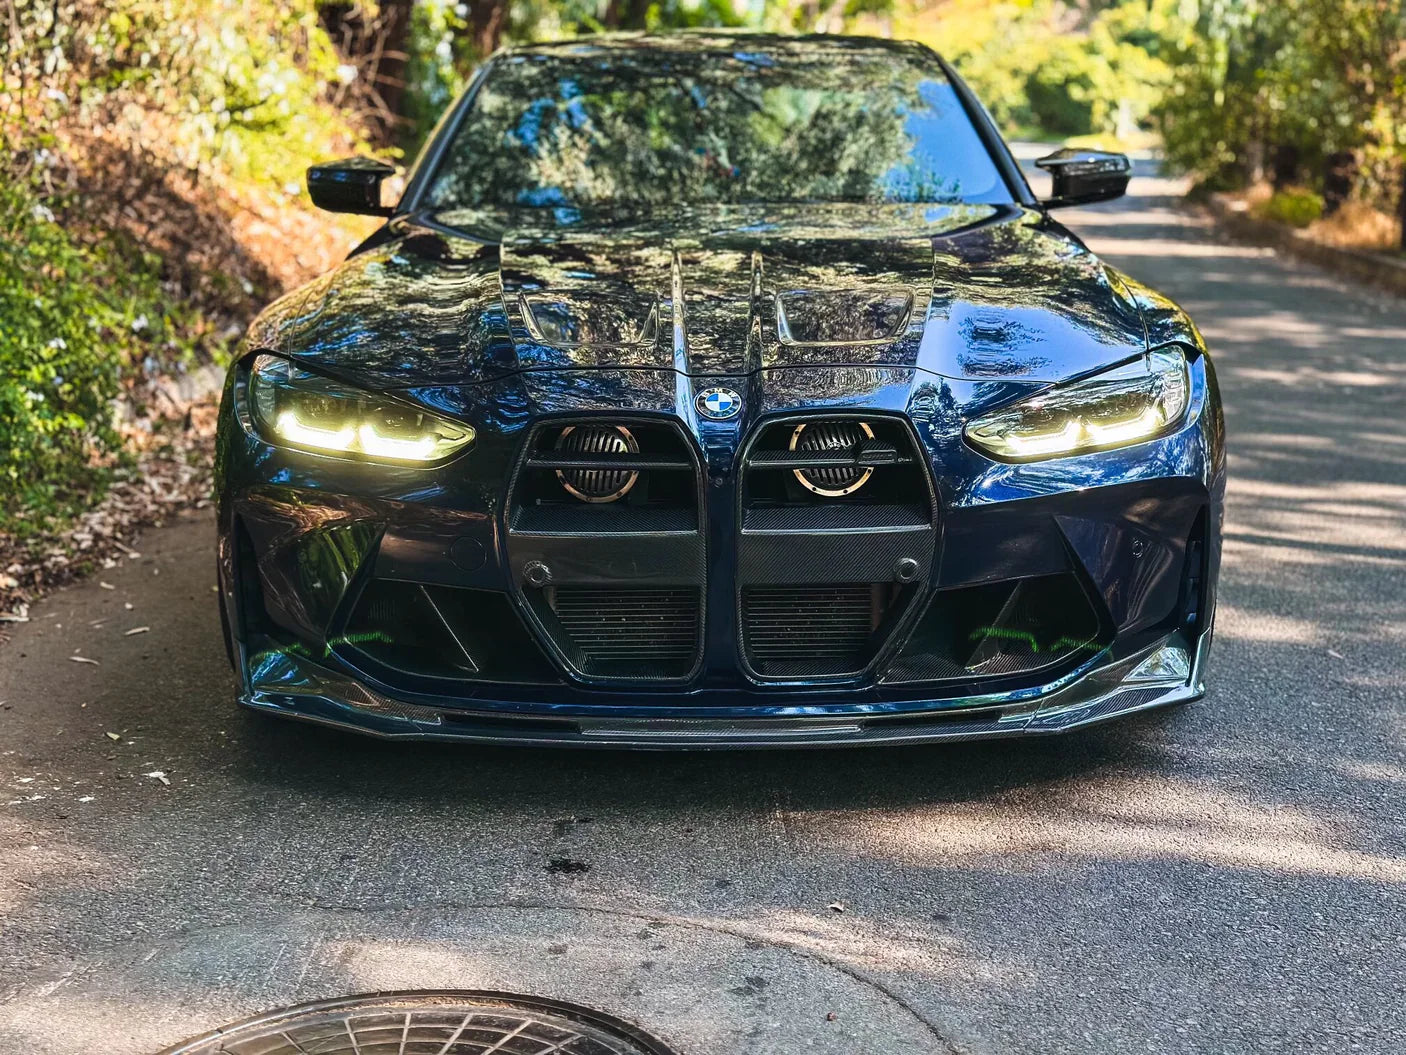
718	404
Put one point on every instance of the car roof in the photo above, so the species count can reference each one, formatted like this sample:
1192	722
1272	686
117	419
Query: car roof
722	41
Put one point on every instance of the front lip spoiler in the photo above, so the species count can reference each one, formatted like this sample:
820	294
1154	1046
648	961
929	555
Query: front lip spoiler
326	697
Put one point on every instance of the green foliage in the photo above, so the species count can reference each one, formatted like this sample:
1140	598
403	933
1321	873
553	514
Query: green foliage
131	127
71	320
437	69
1297	208
1043	69
1074	90
247	85
1257	78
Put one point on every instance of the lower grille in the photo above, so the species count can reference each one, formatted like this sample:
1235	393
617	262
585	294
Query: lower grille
1024	628
801	631
411	636
613	632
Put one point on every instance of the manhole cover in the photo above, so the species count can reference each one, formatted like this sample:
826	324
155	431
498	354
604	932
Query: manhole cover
448	1023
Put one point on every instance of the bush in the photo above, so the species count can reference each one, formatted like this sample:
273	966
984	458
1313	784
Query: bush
1063	89
150	198
1044	68
71	320
1297	208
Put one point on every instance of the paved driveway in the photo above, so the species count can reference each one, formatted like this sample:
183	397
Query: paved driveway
1228	877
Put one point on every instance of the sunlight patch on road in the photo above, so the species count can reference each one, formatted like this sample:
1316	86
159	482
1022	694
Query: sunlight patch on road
1159	819
1308	376
1265	627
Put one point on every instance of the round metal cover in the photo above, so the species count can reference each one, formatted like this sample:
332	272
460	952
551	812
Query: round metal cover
597	485
430	1023
837	436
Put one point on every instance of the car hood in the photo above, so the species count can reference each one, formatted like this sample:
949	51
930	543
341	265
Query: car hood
964	291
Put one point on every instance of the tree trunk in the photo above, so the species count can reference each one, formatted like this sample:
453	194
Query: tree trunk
379	49
1284	165
1401	205
1339	174
395	53
626	14
486	21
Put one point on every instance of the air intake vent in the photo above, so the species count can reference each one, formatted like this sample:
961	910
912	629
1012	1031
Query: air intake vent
833	438
804	631
616	631
869	460
609	441
1025	629
412	636
606	476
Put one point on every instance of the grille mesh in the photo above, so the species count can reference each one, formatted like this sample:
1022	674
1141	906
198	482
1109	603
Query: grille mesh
652	627
796	630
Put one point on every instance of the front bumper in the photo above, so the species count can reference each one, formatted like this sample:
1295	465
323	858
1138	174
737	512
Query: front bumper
297	688
1036	590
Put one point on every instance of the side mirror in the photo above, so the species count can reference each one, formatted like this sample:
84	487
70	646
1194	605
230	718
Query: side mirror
1084	176
353	185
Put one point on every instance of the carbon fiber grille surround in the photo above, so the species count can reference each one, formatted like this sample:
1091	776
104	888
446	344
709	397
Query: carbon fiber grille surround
855	503
615	589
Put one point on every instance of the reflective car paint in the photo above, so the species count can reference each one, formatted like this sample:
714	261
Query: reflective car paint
933	314
991	292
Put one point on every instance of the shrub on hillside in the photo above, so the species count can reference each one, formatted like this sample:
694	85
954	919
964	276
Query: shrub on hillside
150	198
70	320
1297	208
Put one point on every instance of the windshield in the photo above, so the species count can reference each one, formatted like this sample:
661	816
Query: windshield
645	128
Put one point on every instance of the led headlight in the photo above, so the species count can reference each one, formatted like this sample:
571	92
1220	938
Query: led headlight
1131	403
295	408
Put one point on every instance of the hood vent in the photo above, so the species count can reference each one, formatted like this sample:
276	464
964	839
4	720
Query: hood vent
842	317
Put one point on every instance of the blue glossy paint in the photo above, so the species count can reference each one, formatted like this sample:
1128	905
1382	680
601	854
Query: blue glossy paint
508	318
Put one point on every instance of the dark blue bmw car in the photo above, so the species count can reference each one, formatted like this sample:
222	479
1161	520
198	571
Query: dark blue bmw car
718	390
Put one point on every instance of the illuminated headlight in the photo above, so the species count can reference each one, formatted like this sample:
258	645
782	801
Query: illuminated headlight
294	408
1131	403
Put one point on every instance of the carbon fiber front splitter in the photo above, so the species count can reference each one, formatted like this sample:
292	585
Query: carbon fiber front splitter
299	688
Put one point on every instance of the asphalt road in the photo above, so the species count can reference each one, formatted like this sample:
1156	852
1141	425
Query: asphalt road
1228	877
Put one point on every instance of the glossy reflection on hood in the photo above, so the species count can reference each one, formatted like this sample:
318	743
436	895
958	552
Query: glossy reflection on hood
964	291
